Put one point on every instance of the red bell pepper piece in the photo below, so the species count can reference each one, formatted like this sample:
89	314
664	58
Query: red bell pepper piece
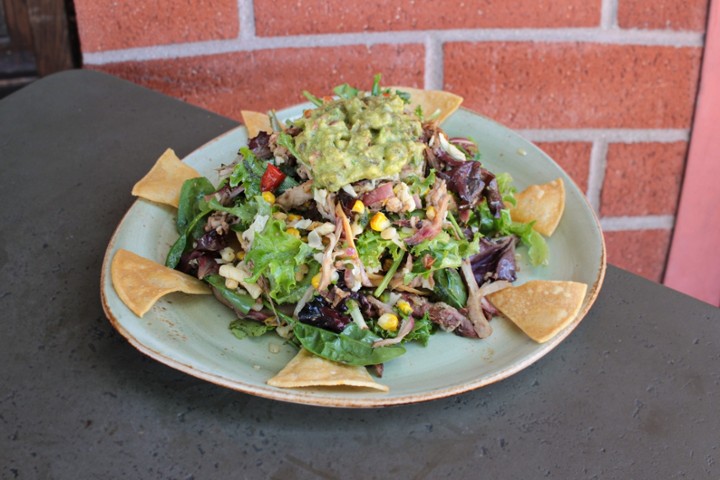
272	178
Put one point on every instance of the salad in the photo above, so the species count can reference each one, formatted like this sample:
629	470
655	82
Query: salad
354	229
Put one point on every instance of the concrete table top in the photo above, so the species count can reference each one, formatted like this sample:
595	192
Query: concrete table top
633	392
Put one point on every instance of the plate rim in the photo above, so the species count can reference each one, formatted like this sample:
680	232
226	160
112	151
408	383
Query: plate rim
310	397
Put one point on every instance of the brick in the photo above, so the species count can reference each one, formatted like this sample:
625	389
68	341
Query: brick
642	178
337	16
643	252
575	85
573	157
272	79
688	15
110	25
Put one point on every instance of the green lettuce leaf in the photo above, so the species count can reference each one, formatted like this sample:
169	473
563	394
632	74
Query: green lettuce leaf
538	251
244	211
243	328
287	141
346	91
248	172
506	188
446	251
421	332
277	255
371	247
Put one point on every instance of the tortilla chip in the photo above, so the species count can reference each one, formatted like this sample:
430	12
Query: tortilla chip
163	182
541	308
256	122
308	370
543	203
140	282
432	101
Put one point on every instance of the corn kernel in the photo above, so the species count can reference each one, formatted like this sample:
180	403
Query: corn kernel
231	284
388	321
404	307
379	222
292	217
269	197
293	231
240	255
358	206
430	212
315	280
279	216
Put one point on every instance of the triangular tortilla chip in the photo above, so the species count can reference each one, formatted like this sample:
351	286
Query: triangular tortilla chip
541	308
432	101
543	203
163	182
140	282
308	370
256	122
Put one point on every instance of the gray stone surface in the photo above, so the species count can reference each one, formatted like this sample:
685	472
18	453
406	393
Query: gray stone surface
632	393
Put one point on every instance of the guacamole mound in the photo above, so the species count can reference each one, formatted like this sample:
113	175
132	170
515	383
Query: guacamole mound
363	137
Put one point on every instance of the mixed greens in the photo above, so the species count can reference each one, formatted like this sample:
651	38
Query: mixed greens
354	229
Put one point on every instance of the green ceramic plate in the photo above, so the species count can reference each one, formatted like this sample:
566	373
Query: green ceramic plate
190	333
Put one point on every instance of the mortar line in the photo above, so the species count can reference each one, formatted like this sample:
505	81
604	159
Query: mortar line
596	173
246	12
643	222
249	41
609	14
611	135
434	74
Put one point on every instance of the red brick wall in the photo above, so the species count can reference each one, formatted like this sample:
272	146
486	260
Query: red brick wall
606	87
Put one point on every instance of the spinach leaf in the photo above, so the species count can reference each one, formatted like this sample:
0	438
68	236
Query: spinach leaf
240	301
176	251
449	287
192	201
193	230
352	346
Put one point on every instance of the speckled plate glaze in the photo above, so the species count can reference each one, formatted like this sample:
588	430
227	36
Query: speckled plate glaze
190	333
